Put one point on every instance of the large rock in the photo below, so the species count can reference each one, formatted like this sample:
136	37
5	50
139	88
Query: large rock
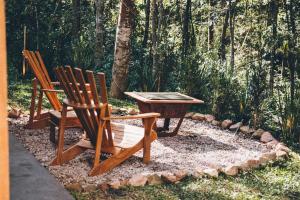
267	157
198	116
266	137
246	130
211	172
14	113
115	184
133	111
253	163
272	144
189	115
271	156
180	174
226	123
282	147
243	166
103	187
216	123
231	170
209	118
89	188
168	178
115	110
198	172
74	187
138	180
236	126
154	179
258	133
281	154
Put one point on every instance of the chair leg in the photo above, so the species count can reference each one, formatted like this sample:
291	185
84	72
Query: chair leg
61	132
52	133
148	126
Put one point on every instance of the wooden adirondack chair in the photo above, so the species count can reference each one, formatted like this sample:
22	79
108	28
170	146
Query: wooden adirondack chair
119	140
37	119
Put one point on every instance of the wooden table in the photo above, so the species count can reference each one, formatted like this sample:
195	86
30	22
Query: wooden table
168	104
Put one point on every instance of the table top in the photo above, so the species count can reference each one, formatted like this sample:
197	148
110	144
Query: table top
163	97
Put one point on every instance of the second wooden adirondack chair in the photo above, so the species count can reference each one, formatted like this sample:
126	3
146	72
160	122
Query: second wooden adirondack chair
119	140
37	119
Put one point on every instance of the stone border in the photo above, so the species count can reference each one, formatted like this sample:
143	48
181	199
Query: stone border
278	152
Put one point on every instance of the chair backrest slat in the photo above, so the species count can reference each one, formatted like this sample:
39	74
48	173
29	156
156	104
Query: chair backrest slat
38	67
82	84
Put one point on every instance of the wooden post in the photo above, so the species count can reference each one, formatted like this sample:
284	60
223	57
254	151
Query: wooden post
4	165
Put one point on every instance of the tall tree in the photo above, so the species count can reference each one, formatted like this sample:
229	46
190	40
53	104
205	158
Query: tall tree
211	29
122	52
273	12
231	27
155	56
222	49
185	28
99	46
76	17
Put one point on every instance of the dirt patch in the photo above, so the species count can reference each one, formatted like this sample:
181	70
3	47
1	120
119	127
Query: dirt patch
198	144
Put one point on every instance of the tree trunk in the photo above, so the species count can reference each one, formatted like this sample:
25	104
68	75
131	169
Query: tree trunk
185	28
154	13
147	23
122	49
99	46
231	25
222	50
211	31
76	18
274	15
292	43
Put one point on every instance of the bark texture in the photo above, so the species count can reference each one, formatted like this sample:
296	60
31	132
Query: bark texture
122	50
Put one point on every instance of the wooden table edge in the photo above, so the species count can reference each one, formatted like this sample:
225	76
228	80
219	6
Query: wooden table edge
144	100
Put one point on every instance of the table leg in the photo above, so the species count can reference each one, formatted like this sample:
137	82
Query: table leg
166	124
161	133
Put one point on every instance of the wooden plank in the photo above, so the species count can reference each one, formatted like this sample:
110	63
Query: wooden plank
4	164
140	98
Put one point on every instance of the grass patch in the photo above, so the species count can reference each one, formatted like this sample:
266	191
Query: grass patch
19	95
279	180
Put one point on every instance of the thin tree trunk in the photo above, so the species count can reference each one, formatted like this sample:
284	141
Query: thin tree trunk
76	17
147	23
154	13
274	15
222	50
99	46
144	67
185	28
231	25
211	31
122	50
292	43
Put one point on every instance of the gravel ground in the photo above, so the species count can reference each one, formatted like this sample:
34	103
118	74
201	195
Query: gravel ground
198	144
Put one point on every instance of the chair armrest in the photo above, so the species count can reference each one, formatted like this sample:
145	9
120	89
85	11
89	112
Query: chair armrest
140	116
